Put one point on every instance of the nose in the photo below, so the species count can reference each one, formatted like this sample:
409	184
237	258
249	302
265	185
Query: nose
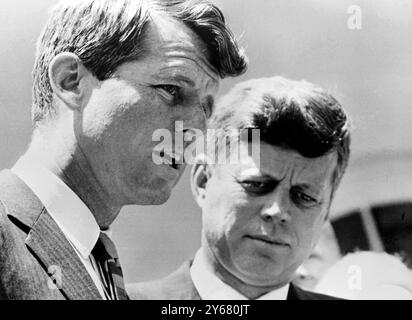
276	209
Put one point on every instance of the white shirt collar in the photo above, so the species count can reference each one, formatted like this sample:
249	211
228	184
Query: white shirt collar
210	287
72	216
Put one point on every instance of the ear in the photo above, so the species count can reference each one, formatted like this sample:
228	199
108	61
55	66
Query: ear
67	76
199	178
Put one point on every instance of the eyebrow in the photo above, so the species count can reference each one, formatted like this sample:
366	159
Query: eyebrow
175	76
182	78
265	175
257	173
250	172
310	188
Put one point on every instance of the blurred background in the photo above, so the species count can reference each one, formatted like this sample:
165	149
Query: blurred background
369	70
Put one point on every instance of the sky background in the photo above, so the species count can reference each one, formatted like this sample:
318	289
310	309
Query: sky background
368	70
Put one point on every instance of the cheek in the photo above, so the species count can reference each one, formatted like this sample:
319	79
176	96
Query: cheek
227	214
215	211
109	110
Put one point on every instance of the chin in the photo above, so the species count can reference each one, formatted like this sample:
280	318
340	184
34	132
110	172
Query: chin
157	192
254	274
161	199
254	278
153	199
148	197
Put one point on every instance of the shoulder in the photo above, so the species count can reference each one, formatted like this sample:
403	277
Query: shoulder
12	250
19	208
176	286
13	233
4	225
7	230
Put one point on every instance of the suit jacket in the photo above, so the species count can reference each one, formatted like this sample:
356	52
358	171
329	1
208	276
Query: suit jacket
34	251
179	286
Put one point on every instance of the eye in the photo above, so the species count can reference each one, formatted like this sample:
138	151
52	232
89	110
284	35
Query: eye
257	187
302	198
170	92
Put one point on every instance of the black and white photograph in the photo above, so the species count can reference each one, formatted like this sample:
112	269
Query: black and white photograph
216	150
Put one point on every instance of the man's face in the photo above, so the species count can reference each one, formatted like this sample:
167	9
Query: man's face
172	82
261	223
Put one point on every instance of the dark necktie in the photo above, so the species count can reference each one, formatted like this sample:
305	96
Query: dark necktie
110	271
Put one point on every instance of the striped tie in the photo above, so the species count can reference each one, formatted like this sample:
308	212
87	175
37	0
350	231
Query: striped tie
110	271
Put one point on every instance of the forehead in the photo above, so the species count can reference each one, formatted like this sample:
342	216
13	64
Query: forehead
178	46
280	164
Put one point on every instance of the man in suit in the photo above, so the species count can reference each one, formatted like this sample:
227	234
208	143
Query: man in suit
107	75
264	200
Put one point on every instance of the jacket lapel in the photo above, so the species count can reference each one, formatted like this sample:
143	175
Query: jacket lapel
46	241
60	260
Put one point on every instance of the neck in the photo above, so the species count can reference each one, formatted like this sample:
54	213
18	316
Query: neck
250	291
67	161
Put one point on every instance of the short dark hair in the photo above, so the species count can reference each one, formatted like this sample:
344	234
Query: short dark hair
294	115
107	33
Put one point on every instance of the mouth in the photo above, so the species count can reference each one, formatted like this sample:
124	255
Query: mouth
268	240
